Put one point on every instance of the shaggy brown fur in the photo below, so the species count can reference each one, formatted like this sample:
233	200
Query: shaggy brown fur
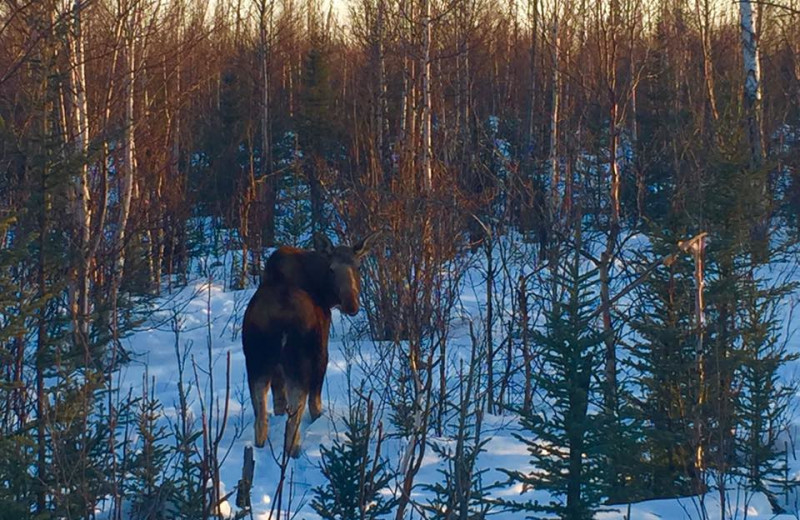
286	327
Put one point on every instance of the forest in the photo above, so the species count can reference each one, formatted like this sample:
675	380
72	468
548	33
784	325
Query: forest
580	302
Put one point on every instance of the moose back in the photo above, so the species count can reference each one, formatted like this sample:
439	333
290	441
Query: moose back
286	327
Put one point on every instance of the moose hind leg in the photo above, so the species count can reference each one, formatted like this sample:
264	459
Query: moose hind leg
279	405
258	395
297	395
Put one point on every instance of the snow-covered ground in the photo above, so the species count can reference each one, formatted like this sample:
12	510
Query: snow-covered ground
205	313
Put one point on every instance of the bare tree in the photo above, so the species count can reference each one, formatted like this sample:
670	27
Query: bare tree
427	113
266	9
555	176
704	12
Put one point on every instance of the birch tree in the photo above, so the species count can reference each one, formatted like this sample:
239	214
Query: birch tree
129	11
752	92
752	82
77	131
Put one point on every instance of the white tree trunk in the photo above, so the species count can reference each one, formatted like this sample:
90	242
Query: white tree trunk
79	134
752	82
128	168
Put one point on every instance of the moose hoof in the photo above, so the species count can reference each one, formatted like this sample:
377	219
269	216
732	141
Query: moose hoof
261	437
279	406
294	452
315	408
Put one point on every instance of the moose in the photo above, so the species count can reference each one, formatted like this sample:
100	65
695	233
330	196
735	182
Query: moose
286	327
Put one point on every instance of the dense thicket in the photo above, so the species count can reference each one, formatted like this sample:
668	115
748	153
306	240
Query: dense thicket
467	130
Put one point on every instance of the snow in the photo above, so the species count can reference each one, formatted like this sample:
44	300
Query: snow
203	319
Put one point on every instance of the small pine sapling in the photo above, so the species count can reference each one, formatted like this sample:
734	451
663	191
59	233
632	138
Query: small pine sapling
765	396
150	492
565	441
356	475
662	357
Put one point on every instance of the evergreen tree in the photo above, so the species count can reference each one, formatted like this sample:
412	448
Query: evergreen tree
764	399
565	441
462	493
149	490
17	449
317	121
663	361
355	477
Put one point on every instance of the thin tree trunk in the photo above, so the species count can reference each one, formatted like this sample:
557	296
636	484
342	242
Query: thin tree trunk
534	15
128	168
270	183
42	340
554	115
607	256
381	88
698	248
755	131
527	356
752	82
427	151
490	272
464	98
703	11
638	160
79	133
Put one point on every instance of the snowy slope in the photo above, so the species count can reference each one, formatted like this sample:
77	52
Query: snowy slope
208	313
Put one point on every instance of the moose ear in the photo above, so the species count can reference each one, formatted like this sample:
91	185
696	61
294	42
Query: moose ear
365	244
323	244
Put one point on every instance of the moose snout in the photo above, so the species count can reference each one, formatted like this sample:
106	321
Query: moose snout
349	308
349	290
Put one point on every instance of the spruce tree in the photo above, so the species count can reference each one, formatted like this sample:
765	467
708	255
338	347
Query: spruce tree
354	477
17	445
765	397
565	430
662	359
149	490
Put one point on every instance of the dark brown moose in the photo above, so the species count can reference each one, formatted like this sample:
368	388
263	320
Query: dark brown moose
286	327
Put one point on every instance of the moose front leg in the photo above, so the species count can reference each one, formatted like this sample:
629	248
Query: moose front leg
318	368
315	403
315	394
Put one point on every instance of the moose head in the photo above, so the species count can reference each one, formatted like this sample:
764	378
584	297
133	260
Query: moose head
343	263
